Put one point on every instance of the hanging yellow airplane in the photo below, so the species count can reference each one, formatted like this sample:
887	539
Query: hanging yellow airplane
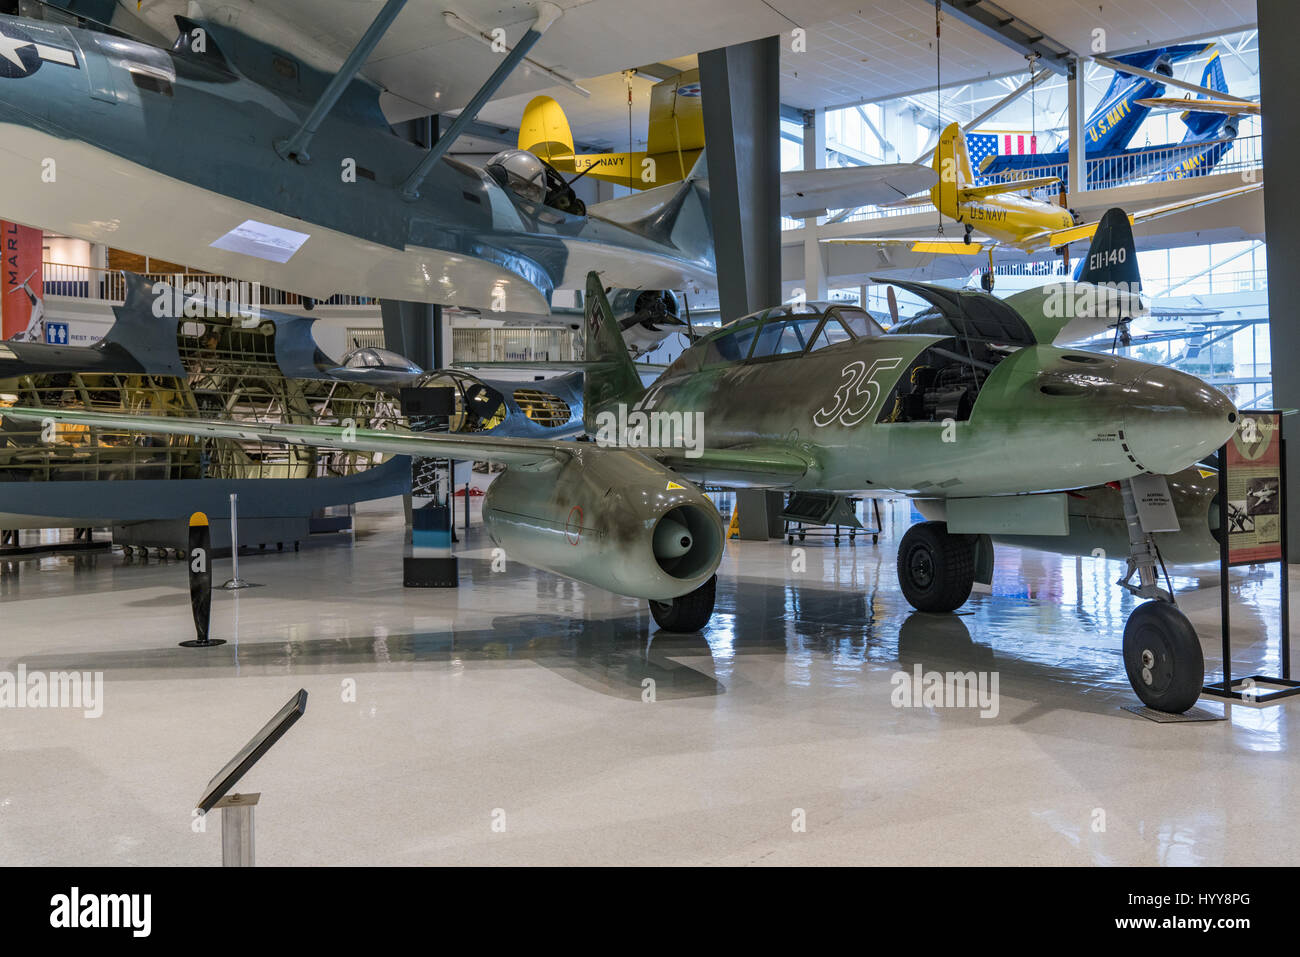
673	144
1006	218
676	140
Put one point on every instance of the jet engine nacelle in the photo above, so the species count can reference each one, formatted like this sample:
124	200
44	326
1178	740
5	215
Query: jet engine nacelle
614	520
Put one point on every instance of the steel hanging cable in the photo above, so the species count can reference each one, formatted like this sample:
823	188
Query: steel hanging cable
938	105
629	133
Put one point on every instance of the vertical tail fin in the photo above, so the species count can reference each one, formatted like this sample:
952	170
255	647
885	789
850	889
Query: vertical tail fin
1200	124
952	163
544	130
615	379
1112	257
1213	76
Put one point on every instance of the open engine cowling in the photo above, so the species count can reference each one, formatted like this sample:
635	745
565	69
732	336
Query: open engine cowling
616	520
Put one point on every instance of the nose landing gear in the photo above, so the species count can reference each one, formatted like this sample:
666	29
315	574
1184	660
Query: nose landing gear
1162	654
1163	658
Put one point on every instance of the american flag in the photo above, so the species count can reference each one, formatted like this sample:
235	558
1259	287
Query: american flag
991	144
981	145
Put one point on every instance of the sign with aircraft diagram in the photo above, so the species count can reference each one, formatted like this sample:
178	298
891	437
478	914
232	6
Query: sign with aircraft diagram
1254	483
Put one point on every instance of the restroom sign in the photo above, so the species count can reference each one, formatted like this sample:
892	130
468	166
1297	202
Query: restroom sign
56	333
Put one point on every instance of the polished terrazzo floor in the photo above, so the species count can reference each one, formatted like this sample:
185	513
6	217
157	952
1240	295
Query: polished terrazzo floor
508	721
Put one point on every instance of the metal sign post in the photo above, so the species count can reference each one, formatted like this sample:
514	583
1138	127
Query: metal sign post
1253	531
237	809
236	582
237	829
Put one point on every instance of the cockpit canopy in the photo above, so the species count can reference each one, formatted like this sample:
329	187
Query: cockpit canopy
534	180
372	358
789	329
962	314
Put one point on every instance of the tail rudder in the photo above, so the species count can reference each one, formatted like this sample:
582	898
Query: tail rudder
544	130
1201	123
1213	76
952	163
1112	257
615	380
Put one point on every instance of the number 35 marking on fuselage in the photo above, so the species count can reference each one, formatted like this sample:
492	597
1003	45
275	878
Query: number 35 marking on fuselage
857	395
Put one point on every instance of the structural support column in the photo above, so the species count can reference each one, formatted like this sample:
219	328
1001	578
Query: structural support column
414	330
814	157
742	125
741	103
1279	76
1077	114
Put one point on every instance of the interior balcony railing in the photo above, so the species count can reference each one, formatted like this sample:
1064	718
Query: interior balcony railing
108	285
512	344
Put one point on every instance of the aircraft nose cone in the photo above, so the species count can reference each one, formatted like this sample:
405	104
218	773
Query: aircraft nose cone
1175	420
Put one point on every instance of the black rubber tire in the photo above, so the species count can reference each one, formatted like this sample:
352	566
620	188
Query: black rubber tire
1163	657
936	570
689	612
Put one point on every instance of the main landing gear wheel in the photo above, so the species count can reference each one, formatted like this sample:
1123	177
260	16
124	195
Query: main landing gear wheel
966	236
689	612
1162	656
936	569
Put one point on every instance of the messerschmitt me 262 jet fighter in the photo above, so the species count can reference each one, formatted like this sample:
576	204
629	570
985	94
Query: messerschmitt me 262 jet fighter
972	412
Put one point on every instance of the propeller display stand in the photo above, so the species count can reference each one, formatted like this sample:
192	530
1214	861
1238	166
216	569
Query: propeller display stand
236	582
200	558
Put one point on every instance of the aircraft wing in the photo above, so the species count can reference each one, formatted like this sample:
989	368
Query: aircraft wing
452	445
758	467
929	244
809	193
676	115
1230	107
1063	237
433	59
577	365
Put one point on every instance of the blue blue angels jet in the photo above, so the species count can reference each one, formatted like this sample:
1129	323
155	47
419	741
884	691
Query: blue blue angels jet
1210	134
1110	126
